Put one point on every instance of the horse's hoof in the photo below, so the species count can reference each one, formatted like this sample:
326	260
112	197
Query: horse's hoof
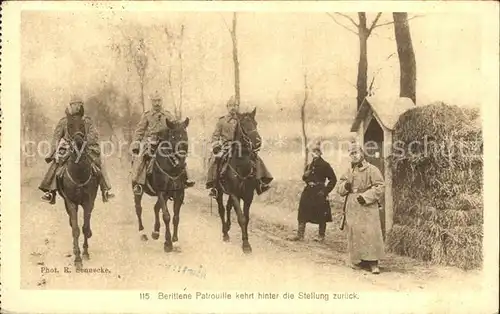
78	264
144	237
89	234
225	238
86	256
247	249
167	247
155	235
175	239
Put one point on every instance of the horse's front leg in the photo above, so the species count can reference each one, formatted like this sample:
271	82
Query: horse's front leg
220	206
178	200
156	228
243	224
87	231
138	211
247	201
167	246
72	210
229	207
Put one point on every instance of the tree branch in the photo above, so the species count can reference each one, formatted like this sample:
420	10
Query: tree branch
348	17
392	22
225	23
374	23
337	22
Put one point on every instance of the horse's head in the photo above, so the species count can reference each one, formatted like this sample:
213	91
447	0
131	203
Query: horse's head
174	140
249	129
76	130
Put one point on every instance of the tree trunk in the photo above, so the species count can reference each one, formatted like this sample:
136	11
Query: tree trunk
407	64
236	62
142	95
362	80
303	121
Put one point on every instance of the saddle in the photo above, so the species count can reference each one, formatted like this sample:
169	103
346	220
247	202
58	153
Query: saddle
224	165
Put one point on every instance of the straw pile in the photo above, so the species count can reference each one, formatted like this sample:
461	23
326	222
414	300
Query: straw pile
437	170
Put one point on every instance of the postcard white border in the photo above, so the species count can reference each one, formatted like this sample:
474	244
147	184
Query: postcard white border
54	301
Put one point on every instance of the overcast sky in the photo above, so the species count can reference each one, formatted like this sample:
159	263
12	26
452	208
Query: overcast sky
67	52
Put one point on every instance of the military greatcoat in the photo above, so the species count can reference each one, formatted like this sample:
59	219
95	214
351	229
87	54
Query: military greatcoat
364	231
151	122
314	206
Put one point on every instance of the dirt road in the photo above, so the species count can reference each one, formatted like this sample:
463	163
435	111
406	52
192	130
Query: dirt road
201	260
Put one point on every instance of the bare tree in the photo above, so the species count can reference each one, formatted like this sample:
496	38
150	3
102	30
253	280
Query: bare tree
132	48
303	120
175	53
363	32
406	54
34	122
232	32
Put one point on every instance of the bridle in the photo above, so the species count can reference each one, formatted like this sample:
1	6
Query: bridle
172	156
72	150
246	138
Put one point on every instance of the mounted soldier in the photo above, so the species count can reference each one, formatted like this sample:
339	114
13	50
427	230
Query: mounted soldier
59	152
221	143
152	122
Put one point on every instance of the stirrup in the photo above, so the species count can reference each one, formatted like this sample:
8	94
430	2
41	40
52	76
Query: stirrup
49	197
213	193
137	189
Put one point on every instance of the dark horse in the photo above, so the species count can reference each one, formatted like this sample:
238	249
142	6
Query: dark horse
238	180
78	185
166	180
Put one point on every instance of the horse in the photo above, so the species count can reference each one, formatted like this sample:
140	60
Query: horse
166	181
238	181
77	184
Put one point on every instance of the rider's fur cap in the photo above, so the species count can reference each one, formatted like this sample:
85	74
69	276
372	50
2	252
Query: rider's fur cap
231	101
72	110
75	99
155	96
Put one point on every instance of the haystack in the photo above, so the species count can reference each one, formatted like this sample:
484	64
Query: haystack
437	170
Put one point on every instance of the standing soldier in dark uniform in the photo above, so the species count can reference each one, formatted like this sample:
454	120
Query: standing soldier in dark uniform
224	134
59	148
314	206
152	121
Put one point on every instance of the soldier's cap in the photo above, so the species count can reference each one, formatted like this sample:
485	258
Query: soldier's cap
76	99
317	148
155	96
355	146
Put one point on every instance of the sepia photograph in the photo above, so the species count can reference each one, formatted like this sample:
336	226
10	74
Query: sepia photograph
250	158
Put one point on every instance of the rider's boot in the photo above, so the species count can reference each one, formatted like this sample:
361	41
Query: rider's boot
107	195
213	193
262	187
49	197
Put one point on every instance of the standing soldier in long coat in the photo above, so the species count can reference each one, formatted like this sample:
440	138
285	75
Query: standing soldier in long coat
224	134
314	207
152	121
59	148
363	187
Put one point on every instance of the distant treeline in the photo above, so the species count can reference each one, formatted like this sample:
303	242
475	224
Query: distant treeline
116	114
